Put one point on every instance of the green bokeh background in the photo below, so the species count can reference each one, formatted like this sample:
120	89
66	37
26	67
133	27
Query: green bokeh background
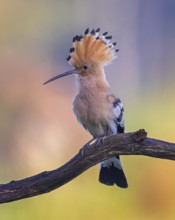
38	130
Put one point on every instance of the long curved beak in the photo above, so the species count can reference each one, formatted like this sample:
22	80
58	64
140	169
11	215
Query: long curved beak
74	71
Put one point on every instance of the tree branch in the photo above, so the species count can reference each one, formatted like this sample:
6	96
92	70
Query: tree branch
136	143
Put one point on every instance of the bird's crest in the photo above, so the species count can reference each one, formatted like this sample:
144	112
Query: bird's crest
92	47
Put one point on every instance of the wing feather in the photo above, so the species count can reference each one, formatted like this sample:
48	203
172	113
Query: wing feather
119	117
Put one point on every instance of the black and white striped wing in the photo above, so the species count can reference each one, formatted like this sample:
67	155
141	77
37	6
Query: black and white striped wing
111	171
119	117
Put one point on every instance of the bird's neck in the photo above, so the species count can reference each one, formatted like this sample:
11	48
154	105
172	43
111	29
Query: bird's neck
93	84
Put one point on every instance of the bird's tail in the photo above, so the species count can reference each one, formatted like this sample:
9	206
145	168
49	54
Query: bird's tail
111	172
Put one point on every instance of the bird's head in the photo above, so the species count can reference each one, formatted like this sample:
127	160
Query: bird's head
89	52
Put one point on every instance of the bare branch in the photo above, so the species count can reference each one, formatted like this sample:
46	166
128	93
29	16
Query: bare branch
136	143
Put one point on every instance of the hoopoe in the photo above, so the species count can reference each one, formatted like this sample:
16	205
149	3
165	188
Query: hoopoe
95	106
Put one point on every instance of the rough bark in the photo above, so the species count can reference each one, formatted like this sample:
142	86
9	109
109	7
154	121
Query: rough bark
136	143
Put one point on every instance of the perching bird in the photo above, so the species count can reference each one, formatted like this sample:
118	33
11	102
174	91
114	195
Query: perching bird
95	106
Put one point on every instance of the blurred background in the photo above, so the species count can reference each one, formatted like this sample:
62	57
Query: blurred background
38	130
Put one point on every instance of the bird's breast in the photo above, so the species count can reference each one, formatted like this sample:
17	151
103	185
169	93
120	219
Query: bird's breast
92	108
94	112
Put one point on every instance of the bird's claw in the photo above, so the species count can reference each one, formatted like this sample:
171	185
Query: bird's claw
83	149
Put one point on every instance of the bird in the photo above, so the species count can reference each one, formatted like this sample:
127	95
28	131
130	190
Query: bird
96	108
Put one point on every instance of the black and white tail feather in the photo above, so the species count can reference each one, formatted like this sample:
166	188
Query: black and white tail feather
111	171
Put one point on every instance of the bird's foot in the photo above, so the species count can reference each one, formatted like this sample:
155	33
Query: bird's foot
100	140
86	146
89	142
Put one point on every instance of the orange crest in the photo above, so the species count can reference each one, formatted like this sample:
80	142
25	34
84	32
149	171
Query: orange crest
92	48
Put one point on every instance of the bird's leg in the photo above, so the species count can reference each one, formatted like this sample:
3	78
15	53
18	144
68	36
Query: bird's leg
86	146
100	140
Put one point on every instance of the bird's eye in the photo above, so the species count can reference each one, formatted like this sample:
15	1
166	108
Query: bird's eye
85	67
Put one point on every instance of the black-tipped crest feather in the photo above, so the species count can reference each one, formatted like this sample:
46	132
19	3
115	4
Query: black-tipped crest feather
86	31
87	48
